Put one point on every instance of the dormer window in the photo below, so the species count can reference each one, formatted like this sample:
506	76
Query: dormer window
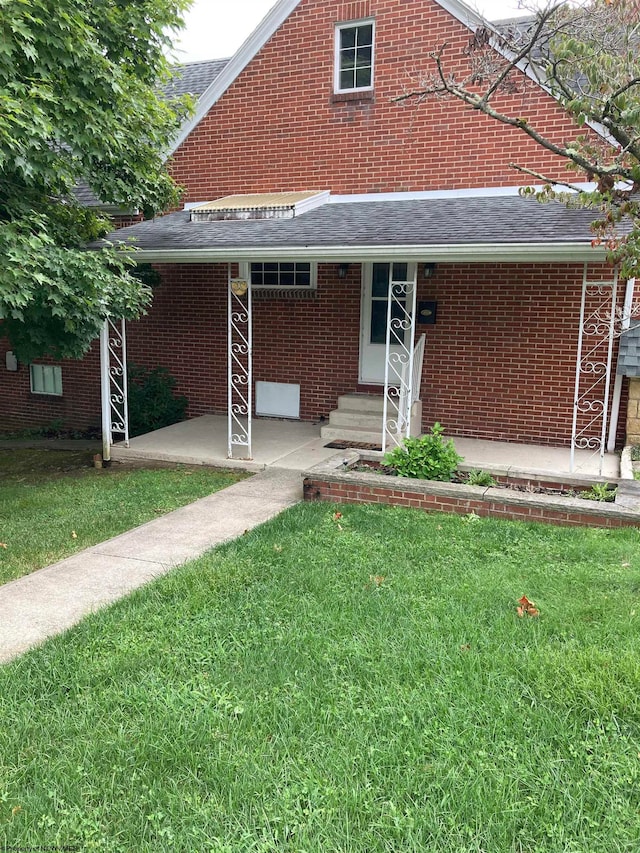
354	56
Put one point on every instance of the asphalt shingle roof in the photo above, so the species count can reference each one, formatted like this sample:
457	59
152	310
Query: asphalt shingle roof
447	222
194	78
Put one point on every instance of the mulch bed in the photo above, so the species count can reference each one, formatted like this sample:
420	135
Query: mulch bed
388	471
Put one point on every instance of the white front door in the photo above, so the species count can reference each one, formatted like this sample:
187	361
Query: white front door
373	316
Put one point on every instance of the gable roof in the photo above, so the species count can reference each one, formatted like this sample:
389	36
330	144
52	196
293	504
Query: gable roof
489	228
279	14
261	35
251	46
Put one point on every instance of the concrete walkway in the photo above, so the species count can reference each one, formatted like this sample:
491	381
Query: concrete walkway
53	599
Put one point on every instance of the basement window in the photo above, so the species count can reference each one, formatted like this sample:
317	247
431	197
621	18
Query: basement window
46	379
353	71
283	275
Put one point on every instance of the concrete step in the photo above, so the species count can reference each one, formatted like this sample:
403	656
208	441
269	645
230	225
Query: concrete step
330	433
355	418
369	403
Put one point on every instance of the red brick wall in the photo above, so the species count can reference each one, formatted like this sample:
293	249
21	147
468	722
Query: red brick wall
499	363
78	408
279	126
405	494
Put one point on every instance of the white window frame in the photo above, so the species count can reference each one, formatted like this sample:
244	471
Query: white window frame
278	288
349	25
46	379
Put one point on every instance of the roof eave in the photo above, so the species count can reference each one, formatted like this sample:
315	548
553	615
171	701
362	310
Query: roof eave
462	253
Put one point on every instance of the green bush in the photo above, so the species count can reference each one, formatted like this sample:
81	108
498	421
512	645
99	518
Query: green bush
427	457
152	403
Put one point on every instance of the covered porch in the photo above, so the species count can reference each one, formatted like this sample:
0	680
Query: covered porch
523	349
298	446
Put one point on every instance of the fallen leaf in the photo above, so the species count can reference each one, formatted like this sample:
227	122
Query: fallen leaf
74	535
465	648
526	607
337	516
376	580
3	544
16	810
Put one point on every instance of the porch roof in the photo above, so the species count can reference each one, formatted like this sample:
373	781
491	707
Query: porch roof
482	229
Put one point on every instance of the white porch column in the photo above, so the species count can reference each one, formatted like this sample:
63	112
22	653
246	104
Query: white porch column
113	384
594	361
399	363
239	363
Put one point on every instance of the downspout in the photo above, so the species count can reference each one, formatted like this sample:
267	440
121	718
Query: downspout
617	388
105	393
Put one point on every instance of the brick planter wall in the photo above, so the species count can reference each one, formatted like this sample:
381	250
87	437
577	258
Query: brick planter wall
334	481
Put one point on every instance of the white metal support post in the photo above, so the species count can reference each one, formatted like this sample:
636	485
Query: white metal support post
239	361
113	384
399	362
593	365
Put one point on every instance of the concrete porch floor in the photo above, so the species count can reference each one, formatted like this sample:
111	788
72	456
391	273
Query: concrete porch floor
297	446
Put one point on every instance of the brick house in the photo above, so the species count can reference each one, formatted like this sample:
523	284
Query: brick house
306	180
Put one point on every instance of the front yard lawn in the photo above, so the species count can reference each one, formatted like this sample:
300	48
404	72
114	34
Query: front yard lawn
54	503
351	682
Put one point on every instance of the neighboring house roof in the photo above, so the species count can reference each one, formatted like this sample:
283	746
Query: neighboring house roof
194	78
490	228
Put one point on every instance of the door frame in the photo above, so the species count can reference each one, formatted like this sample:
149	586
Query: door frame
366	299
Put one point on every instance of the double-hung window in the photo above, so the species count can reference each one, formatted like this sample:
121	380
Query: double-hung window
354	56
283	275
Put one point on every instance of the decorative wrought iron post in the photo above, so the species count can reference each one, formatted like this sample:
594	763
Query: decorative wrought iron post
113	382
593	365
239	366
399	363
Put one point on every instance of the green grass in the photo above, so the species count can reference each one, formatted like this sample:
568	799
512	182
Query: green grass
357	684
52	503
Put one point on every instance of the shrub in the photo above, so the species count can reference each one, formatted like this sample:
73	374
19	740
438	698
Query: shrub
152	403
427	457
